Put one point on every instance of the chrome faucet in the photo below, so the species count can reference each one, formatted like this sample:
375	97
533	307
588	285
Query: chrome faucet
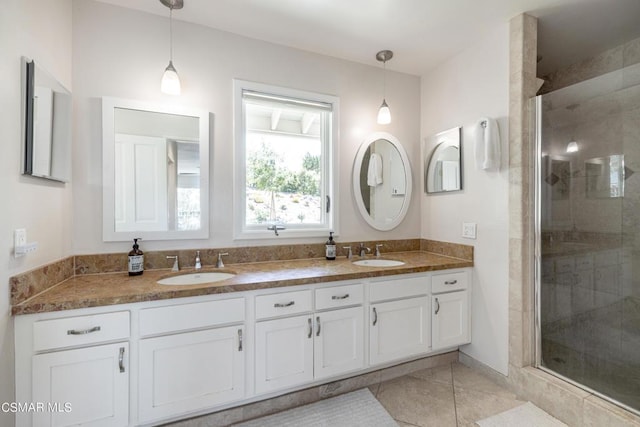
175	267
198	262
378	246
220	264
349	252
363	250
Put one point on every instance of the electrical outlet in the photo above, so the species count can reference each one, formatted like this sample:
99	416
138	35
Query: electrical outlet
20	236
469	230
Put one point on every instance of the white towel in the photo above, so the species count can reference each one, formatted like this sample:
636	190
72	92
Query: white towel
374	174
487	147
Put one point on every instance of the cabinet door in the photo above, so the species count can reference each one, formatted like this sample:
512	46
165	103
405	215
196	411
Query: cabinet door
190	371
339	342
284	353
88	386
450	320
398	329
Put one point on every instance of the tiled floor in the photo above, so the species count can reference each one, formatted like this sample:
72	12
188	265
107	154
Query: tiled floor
451	395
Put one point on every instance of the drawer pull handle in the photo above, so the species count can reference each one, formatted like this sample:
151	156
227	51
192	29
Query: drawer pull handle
335	297
318	325
239	339
121	359
280	305
438	306
450	282
310	334
83	332
375	316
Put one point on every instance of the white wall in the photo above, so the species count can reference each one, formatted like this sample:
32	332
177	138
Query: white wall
473	84
40	30
122	53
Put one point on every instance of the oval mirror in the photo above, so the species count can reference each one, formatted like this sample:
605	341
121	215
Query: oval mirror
382	181
444	172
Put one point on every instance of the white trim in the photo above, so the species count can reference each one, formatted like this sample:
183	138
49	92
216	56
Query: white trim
108	172
330	187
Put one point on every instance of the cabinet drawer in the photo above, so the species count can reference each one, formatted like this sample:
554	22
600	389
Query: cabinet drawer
160	320
399	288
448	282
339	296
284	303
80	330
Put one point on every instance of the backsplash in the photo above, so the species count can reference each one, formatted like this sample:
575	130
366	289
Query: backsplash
33	282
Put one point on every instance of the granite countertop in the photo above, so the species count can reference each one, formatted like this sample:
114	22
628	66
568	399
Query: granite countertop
95	290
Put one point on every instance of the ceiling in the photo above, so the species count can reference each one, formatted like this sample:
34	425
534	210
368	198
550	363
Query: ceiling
422	33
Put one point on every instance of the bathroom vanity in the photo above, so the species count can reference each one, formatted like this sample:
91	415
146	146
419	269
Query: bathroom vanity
148	357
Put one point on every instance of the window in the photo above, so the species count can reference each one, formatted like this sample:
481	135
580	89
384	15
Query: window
284	161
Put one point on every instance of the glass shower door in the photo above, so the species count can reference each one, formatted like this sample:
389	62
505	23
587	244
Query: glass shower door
588	234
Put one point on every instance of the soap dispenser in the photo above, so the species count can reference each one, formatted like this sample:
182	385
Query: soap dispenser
330	247
136	259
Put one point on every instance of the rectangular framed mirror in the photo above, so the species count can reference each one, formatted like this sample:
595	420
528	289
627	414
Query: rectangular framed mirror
155	171
47	125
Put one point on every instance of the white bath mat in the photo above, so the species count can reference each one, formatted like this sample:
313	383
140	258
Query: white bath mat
355	409
527	415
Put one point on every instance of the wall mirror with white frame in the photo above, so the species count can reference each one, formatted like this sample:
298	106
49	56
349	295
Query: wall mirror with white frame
444	168
382	181
155	171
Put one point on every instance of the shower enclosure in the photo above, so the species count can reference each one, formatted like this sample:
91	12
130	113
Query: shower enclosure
588	234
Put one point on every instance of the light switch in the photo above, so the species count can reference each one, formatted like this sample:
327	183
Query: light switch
469	230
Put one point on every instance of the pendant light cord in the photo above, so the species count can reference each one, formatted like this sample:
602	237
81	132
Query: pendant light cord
171	34
384	79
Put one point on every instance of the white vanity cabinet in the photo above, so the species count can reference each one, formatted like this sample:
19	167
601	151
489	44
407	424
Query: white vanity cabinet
451	322
399	328
301	348
75	376
188	368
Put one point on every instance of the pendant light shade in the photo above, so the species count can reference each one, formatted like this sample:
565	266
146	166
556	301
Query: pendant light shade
384	113
572	147
170	83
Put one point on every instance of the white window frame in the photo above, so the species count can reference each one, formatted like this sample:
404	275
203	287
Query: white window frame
330	175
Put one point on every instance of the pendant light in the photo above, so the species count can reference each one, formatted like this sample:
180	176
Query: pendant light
572	147
170	81
384	114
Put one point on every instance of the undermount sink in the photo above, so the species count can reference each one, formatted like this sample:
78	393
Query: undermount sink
195	278
378	263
